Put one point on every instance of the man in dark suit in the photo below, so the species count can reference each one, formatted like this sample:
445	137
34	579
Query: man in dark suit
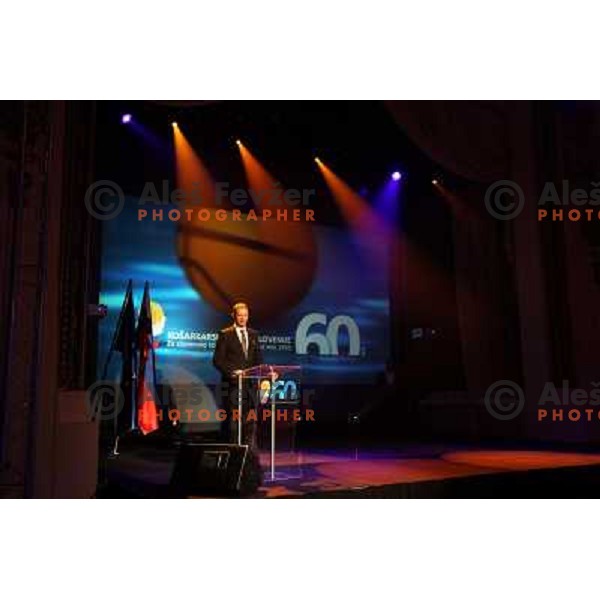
238	349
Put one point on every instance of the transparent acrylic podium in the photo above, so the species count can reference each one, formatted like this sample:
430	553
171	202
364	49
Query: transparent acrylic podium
277	386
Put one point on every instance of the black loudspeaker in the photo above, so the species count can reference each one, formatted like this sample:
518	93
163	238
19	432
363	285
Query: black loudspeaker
216	470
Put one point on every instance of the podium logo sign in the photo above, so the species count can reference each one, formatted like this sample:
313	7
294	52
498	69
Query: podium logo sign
280	391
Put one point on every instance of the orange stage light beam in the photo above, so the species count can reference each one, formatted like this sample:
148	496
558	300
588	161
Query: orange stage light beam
460	208
365	223
265	187
430	289
192	176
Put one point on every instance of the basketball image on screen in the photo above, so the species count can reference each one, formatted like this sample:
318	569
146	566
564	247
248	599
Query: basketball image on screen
270	264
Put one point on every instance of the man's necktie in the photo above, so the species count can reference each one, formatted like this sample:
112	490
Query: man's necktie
245	343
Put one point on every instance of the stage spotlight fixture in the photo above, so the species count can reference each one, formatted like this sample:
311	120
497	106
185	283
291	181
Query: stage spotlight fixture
396	176
174	123
354	418
126	118
434	181
238	142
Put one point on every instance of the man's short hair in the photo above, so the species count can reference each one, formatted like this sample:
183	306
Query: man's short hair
237	306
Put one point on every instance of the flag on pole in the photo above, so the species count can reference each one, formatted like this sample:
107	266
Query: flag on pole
146	393
124	342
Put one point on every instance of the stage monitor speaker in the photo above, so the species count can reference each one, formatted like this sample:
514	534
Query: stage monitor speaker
216	470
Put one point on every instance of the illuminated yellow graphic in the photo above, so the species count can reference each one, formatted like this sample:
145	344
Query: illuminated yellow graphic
158	318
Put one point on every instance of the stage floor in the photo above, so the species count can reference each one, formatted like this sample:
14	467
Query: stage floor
419	471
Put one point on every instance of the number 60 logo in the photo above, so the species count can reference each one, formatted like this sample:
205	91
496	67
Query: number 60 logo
327	343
